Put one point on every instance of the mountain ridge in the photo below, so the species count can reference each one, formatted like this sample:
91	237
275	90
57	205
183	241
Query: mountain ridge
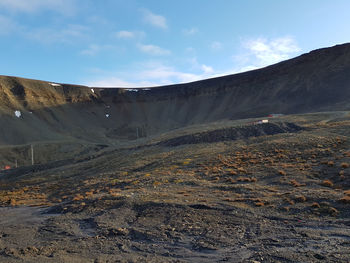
312	82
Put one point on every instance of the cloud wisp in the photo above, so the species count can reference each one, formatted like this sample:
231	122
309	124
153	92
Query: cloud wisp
115	82
190	31
216	45
262	52
67	34
92	50
65	7
153	50
126	34
154	19
256	53
150	74
7	25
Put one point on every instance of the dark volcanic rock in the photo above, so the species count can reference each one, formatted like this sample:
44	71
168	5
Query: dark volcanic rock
233	133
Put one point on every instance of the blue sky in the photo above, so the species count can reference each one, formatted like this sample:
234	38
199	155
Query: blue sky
133	43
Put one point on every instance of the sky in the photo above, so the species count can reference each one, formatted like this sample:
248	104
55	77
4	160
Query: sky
138	43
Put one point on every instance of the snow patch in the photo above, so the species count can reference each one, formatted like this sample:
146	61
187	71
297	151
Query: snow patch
136	90
133	90
55	85
18	114
92	90
107	115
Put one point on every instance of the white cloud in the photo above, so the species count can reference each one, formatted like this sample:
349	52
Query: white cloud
167	75
153	50
154	19
285	45
190	50
115	82
216	45
263	52
30	6
207	69
258	53
98	20
68	34
151	77
92	50
7	25
125	34
149	74
190	31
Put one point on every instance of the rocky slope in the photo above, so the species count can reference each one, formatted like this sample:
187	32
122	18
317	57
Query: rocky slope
317	81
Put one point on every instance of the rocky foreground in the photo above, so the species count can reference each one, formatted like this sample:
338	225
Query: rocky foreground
259	197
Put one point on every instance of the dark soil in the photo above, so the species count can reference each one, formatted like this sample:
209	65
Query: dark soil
234	133
272	198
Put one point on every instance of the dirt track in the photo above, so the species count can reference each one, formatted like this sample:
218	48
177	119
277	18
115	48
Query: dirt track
152	232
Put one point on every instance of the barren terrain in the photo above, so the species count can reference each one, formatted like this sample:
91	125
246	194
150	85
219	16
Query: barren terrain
184	173
271	198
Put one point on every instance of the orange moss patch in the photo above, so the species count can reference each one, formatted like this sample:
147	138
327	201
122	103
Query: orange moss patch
330	163
186	162
156	183
281	172
259	204
78	197
246	179
344	165
295	183
327	183
345	199
232	172
135	182
333	211
241	170
23	196
231	180
315	205
178	181
13	202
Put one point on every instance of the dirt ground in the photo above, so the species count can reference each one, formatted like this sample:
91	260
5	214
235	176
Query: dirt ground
220	193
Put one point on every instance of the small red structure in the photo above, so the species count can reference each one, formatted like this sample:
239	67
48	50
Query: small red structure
7	167
274	115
